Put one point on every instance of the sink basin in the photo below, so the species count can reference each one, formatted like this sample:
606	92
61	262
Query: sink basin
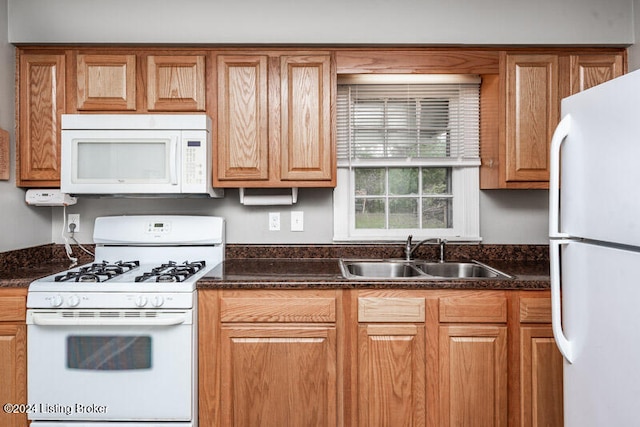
415	269
379	269
459	269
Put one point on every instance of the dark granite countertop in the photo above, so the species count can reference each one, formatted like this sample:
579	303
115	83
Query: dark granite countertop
279	273
277	267
22	277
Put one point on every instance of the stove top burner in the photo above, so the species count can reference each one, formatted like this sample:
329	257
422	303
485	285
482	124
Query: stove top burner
172	272
98	272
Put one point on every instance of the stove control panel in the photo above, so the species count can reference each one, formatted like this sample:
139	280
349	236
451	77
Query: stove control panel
110	300
159	227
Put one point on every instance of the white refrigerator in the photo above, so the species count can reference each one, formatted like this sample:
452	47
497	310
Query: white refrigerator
594	227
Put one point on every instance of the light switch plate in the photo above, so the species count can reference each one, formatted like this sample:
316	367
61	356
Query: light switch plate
297	221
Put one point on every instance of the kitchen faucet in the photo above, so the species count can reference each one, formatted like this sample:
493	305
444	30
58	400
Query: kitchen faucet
408	250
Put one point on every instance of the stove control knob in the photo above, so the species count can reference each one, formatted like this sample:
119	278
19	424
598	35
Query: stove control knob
157	301
73	301
56	301
140	301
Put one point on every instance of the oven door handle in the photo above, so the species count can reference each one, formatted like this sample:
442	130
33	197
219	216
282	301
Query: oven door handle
50	319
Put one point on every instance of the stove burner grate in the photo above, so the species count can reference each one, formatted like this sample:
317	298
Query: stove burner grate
171	272
97	272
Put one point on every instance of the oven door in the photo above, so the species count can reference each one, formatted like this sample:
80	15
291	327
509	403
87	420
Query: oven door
98	365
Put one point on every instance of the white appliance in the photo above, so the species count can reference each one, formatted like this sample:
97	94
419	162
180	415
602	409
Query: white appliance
120	154
114	343
595	252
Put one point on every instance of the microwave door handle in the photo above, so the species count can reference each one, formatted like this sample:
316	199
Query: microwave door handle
173	161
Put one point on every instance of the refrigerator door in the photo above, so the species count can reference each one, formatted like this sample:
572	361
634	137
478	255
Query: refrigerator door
600	169
601	321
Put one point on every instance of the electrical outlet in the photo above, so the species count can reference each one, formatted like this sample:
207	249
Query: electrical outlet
73	219
274	221
297	221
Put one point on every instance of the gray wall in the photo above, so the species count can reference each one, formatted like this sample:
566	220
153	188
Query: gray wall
20	226
328	21
507	216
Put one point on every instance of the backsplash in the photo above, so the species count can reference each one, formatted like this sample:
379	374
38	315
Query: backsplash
453	252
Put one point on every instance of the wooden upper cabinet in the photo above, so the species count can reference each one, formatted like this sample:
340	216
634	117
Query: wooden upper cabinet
106	82
591	70
41	102
532	110
243	139
306	118
275	123
515	149
176	83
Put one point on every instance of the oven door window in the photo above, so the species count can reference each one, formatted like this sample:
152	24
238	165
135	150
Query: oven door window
109	353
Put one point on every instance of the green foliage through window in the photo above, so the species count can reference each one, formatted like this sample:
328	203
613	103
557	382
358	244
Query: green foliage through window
403	198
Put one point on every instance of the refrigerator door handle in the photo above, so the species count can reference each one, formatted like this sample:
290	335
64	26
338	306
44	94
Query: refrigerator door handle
559	135
564	345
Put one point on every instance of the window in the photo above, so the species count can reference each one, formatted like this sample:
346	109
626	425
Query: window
408	157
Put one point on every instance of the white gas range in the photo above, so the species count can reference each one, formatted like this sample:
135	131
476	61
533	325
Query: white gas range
114	342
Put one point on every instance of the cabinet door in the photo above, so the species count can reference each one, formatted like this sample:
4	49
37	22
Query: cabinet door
275	376
540	377
243	138
591	70
391	375
473	375
13	371
176	83
40	105
13	355
532	110
106	82
306	146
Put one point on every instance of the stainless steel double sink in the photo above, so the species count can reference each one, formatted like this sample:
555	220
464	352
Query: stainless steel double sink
394	269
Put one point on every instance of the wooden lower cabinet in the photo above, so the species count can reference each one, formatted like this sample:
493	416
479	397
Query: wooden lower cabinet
541	377
391	358
13	355
391	375
430	358
540	363
277	375
473	375
274	358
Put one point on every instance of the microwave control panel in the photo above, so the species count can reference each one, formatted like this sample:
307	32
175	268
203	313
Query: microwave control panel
194	161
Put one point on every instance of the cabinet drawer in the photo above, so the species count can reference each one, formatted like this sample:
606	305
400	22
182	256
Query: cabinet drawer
387	309
477	309
535	310
291	309
12	308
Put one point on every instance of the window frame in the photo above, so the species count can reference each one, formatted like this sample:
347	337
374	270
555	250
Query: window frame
465	191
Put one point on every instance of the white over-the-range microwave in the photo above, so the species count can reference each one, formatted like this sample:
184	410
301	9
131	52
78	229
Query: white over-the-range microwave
137	154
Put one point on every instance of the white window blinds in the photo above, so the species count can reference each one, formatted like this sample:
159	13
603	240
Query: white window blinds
417	123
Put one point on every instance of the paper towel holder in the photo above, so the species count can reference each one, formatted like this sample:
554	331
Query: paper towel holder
268	196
